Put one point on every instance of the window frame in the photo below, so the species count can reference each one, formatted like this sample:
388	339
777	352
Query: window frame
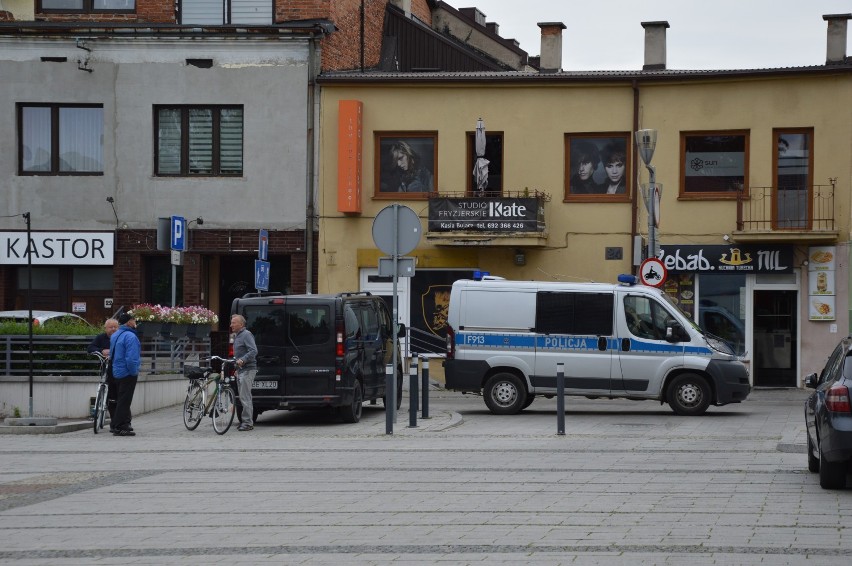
55	108
805	223
495	165
216	162
424	143
88	8
683	194
600	140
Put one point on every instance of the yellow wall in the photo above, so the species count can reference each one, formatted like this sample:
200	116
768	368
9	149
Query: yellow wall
534	119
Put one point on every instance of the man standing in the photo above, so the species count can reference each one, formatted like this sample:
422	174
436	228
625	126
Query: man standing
101	344
245	353
125	351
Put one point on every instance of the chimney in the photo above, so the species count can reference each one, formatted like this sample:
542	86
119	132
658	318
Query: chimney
404	5
493	28
835	53
474	14
551	46
655	45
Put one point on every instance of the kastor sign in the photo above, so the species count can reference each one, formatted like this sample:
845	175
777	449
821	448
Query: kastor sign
57	248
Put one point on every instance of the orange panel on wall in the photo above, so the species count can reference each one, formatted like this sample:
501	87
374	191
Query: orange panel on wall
349	155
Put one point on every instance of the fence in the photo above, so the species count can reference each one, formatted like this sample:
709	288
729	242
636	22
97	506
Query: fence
66	355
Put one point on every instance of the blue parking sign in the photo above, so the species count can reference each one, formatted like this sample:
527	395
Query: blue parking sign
178	239
263	245
261	275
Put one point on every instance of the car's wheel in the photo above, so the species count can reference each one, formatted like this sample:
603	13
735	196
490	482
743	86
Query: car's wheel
813	461
688	394
352	412
528	402
505	394
832	475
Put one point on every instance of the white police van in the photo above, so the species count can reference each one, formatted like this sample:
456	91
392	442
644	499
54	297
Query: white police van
506	338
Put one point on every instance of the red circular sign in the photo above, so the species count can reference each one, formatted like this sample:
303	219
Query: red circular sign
652	272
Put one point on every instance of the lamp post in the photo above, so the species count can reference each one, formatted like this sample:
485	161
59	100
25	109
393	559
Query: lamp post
646	143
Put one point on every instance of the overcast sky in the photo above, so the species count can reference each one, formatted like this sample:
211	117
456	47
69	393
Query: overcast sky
719	34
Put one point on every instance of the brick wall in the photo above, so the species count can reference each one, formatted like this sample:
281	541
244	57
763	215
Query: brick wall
149	11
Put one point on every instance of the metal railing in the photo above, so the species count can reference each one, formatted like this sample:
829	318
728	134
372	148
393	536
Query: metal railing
765	209
422	342
66	355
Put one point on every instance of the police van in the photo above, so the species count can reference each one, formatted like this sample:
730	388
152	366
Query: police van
505	339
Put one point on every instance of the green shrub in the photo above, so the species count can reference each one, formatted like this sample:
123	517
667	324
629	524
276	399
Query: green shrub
51	328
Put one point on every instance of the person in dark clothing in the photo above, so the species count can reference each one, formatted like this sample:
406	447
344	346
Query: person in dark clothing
125	351
586	157
100	343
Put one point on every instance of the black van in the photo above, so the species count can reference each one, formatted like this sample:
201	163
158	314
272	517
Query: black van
320	351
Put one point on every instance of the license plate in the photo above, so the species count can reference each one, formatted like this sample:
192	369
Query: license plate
265	385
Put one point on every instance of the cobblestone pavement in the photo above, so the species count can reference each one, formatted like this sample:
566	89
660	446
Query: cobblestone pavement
629	483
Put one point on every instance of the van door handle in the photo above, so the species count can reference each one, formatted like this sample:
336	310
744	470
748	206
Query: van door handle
268	359
602	343
625	344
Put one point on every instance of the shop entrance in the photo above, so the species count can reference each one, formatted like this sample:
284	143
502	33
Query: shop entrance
775	318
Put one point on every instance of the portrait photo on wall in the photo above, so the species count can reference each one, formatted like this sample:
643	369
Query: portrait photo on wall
406	164
598	166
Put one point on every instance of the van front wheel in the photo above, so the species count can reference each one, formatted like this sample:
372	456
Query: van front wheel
689	394
505	394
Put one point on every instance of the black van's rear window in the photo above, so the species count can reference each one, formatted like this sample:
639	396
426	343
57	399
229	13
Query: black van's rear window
305	324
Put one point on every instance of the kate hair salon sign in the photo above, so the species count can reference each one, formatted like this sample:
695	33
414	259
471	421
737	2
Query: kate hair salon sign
484	214
57	248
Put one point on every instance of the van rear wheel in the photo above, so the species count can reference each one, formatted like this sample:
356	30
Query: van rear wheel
352	413
505	394
689	395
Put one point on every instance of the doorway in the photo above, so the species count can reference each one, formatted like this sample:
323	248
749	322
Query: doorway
775	337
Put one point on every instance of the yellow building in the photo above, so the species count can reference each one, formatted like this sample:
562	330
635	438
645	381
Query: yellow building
754	211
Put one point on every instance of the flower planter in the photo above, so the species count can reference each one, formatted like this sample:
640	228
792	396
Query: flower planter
148	329
199	331
177	330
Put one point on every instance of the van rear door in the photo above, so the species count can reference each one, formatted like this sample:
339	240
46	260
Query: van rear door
574	328
308	349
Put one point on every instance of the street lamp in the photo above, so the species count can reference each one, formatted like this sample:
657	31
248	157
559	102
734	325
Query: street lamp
646	143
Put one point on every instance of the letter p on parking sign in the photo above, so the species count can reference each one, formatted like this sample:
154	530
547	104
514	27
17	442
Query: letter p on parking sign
178	233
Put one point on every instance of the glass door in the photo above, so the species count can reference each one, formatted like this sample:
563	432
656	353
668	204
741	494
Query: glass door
774	358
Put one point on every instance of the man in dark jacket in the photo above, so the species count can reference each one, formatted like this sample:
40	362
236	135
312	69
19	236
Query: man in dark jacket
101	344
125	351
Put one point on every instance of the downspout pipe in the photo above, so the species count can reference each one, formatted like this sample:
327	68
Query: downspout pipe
312	149
634	217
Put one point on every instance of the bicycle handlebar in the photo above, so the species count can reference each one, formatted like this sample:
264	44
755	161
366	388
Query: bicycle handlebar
221	359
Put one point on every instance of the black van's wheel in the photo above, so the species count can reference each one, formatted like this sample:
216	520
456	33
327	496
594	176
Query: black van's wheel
688	394
832	475
505	394
352	413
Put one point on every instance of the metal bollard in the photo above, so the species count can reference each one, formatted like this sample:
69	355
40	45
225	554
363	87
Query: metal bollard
390	396
560	399
412	393
424	414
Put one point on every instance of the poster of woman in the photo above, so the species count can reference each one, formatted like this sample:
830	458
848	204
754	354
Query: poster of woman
405	163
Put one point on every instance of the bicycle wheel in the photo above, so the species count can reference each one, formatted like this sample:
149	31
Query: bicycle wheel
100	407
223	410
193	407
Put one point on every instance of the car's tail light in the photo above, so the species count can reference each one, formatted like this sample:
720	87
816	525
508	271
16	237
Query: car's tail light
451	343
338	348
231	346
837	399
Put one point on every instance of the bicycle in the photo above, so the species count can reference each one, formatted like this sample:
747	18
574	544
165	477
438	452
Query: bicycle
218	404
101	401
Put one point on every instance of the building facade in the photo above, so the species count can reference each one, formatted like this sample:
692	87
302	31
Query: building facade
753	216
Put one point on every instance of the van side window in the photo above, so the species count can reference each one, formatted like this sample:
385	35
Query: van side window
351	322
369	322
646	318
309	325
574	313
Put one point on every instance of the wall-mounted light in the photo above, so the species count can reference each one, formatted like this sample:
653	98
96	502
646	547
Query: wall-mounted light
520	257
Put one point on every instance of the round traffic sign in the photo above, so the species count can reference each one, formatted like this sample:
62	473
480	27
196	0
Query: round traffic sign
652	272
396	230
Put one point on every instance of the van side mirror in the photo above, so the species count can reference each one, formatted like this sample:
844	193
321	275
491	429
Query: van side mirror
811	380
401	332
675	332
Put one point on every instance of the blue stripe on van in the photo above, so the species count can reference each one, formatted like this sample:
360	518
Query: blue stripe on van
532	342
